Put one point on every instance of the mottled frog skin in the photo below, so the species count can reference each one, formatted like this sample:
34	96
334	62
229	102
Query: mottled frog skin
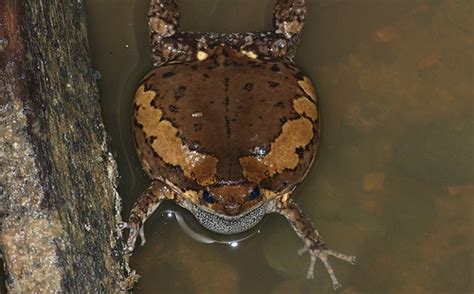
226	126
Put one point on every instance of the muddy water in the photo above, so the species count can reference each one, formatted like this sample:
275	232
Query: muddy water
394	182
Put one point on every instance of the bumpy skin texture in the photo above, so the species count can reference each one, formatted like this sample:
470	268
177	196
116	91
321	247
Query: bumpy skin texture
226	126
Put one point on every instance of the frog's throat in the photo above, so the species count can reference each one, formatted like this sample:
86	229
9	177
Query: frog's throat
229	225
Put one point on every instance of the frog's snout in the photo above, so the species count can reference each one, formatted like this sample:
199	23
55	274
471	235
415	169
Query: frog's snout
233	209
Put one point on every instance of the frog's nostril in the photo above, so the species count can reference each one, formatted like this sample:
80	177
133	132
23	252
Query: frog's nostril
233	209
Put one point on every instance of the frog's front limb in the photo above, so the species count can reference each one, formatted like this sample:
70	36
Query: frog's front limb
313	242
143	208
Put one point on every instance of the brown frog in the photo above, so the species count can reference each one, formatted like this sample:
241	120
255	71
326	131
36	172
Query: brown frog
226	126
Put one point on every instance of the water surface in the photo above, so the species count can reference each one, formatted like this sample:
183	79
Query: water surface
394	180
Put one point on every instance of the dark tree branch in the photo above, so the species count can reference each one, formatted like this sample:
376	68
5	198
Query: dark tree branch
58	201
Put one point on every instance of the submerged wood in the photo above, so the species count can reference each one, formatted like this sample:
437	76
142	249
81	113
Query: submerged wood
58	201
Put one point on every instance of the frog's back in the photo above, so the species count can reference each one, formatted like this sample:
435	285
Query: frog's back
227	119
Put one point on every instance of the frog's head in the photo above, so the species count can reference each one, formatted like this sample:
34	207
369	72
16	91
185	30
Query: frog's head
231	200
230	208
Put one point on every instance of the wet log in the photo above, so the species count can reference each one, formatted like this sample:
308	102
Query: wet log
59	205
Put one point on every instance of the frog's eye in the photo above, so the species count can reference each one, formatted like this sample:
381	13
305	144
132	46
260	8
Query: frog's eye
207	196
255	193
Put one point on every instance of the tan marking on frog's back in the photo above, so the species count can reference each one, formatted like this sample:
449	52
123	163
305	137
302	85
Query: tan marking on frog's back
163	139
295	134
303	106
308	88
147	116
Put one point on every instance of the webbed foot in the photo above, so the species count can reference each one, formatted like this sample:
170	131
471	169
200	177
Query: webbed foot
313	243
143	208
318	251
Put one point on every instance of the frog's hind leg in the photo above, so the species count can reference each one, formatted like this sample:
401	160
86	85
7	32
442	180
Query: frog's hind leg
143	208
281	42
314	245
289	17
168	43
163	22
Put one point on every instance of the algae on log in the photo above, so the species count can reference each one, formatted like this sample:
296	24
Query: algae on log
58	201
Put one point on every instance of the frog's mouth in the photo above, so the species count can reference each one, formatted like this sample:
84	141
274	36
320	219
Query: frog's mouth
228	225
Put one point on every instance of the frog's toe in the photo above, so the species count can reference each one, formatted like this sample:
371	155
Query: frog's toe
303	250
348	258
352	260
135	230
128	248
122	225
132	238
142	235
322	254
310	274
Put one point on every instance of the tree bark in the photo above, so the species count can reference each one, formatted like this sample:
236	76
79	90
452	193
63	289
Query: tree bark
58	200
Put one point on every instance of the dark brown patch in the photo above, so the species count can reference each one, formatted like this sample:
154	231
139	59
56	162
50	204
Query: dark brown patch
275	68
227	63
168	74
213	65
152	104
152	139
258	65
248	87
280	104
139	125
300	152
173	108
299	75
273	84
179	92
197	127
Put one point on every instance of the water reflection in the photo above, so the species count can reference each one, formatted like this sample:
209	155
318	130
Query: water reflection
194	230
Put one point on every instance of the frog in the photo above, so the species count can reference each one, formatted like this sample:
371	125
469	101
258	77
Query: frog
226	126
